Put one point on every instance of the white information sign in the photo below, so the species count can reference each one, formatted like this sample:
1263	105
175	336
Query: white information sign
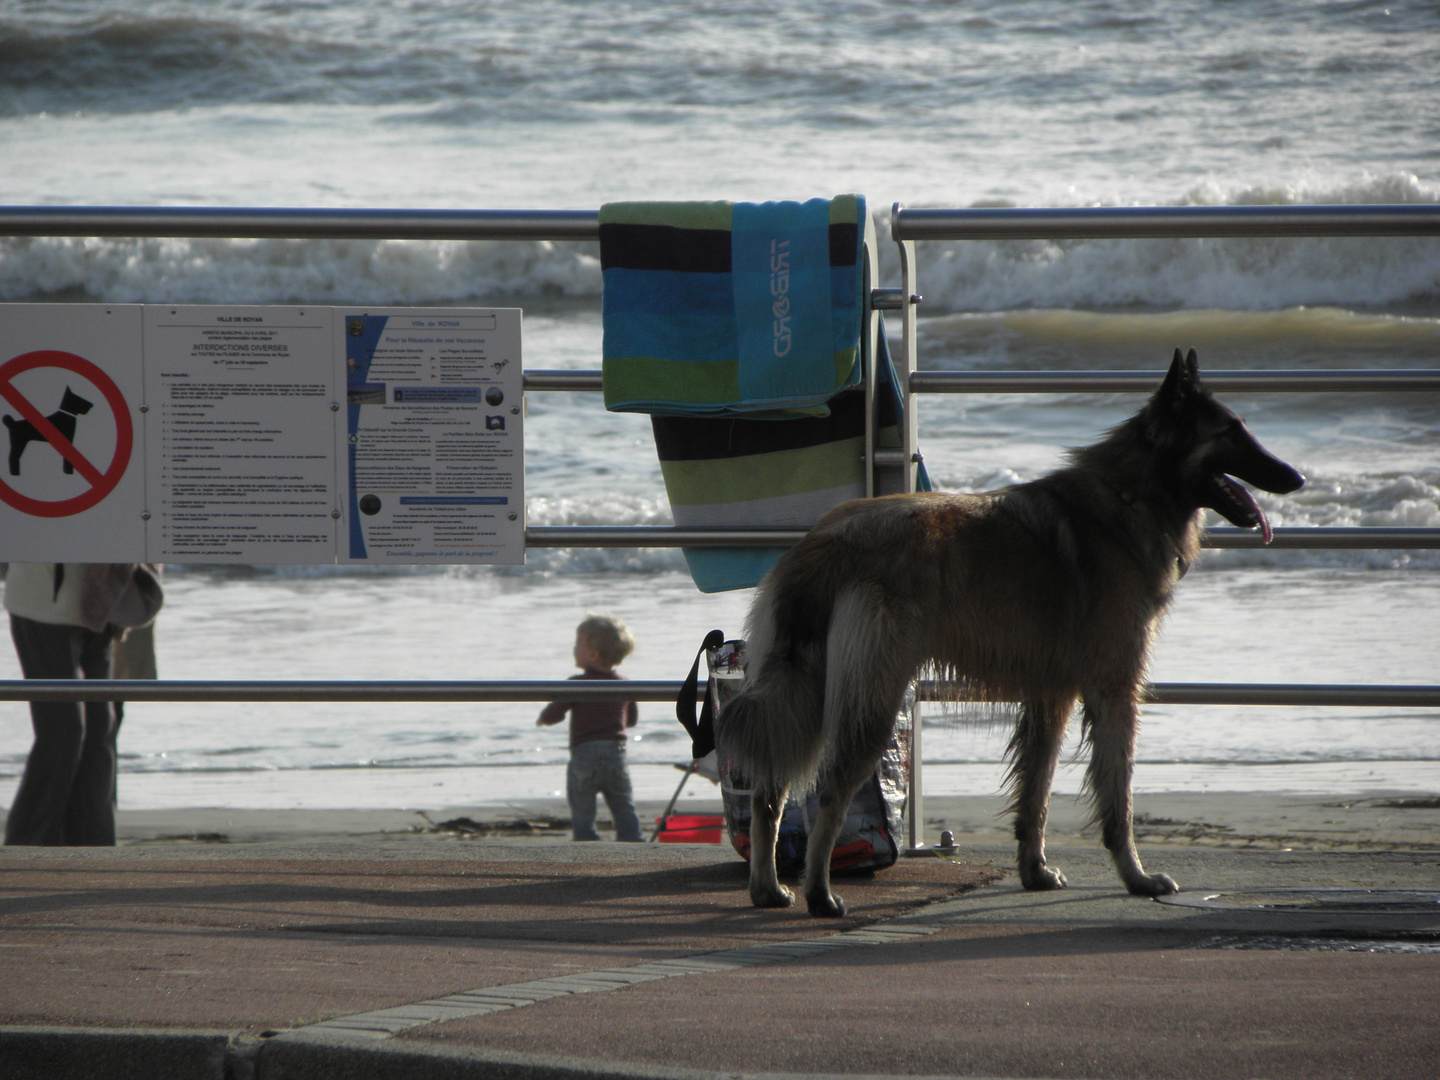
72	481
241	428
432	448
201	433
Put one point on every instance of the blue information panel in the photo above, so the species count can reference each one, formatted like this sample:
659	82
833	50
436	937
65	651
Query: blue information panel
432	449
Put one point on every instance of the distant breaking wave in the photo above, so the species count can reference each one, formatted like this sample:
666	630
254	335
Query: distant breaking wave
1243	275
1239	275
1328	500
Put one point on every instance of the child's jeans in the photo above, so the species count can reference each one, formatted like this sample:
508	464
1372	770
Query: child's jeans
600	766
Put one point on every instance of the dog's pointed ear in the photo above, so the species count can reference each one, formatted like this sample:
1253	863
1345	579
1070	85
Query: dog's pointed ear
1178	380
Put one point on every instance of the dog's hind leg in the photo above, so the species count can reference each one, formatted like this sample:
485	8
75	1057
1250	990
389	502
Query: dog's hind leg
771	732
1034	749
838	783
767	804
868	666
1111	720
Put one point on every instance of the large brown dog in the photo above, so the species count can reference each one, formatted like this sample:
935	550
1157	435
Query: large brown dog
1045	594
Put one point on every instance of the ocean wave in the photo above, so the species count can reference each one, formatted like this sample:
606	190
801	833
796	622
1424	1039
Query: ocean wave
152	59
609	510
1066	339
1258	274
205	271
1330	499
962	276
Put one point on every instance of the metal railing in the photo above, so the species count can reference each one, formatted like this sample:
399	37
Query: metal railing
286	223
1162	222
440	691
907	226
1373	538
906	223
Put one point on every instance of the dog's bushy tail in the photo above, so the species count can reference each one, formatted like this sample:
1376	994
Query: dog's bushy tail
770	733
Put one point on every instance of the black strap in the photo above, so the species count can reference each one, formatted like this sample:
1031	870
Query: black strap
702	730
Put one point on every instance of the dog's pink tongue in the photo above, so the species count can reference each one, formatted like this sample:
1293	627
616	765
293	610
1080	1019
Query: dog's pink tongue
1247	500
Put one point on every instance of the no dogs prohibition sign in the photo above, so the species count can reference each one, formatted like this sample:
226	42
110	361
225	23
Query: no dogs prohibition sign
38	426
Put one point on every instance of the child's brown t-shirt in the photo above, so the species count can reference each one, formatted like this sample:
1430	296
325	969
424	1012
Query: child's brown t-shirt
592	721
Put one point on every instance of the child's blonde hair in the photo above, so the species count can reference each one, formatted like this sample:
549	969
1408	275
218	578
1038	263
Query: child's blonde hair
608	636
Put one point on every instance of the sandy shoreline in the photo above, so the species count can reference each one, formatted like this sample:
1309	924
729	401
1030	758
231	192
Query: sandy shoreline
1296	806
1377	820
430	788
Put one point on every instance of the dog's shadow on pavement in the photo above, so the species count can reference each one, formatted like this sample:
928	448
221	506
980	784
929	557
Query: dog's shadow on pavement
701	905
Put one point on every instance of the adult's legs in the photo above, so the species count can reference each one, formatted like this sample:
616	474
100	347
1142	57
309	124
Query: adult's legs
67	792
90	820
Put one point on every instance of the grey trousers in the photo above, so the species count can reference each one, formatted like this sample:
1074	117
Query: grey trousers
67	793
599	767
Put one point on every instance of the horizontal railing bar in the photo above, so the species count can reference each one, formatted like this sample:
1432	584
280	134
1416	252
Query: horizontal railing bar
1291	694
1379	538
1353	694
662	536
907	223
1103	382
421	690
400	690
562	379
656	536
293	223
1144	382
1149	222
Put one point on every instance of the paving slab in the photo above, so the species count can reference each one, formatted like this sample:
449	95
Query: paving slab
271	937
325	957
1087	982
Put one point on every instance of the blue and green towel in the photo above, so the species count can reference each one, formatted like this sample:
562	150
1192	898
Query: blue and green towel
738	327
716	308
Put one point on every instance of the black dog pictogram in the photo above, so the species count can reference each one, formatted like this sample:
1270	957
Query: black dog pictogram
23	433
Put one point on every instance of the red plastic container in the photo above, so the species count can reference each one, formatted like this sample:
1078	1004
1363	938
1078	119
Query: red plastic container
691	828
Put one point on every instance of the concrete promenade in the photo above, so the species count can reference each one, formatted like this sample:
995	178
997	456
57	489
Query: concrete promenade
426	956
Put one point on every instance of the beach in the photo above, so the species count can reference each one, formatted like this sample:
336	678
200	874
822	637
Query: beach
1370	821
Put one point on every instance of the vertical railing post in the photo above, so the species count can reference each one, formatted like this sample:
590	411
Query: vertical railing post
909	300
915	803
869	344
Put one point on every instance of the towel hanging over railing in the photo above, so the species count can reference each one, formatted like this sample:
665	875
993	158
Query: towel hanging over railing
737	471
716	308
737	326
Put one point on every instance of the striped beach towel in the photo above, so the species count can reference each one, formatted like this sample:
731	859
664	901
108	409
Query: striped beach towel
716	308
736	471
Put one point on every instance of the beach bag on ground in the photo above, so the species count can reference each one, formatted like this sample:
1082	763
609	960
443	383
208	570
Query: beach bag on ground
872	834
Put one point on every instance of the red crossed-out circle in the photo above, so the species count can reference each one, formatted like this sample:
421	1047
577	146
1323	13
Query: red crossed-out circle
101	483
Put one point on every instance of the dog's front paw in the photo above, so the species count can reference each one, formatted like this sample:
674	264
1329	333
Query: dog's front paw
825	905
771	896
1153	885
1041	878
